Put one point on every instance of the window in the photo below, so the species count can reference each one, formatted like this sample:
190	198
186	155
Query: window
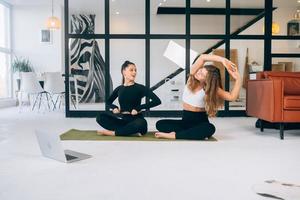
5	52
285	47
140	31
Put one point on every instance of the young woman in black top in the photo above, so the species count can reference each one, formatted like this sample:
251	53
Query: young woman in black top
128	119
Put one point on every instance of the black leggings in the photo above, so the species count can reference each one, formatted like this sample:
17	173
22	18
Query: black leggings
124	126
192	126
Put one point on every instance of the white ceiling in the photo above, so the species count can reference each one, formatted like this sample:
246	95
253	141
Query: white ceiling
34	2
136	4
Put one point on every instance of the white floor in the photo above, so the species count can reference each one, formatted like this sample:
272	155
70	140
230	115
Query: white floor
193	170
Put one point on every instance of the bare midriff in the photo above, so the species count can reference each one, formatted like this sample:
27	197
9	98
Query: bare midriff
188	107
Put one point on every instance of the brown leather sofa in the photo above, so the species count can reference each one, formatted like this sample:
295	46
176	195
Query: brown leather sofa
274	97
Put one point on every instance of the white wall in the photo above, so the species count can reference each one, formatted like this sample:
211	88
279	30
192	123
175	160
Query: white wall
28	21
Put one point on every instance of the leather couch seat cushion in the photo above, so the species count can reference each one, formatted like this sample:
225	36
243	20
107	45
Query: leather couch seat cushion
291	102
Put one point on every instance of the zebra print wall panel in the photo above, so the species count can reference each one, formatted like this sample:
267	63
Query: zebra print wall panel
87	64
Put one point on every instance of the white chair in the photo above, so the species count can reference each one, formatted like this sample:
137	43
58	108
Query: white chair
55	85
31	86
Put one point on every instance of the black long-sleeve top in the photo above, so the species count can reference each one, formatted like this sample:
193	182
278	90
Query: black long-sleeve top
130	98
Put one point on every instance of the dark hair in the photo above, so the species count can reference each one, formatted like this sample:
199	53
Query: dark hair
124	66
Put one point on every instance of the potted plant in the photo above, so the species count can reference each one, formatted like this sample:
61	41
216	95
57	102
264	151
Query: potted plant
20	65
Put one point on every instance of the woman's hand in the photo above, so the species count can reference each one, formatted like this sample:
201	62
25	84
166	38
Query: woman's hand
116	110
230	66
234	74
134	112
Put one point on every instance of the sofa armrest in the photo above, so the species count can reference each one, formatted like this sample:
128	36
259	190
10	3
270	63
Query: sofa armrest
265	99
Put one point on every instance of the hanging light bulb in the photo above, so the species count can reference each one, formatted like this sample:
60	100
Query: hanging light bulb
53	22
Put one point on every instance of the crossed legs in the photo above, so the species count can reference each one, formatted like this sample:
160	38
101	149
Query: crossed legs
121	127
178	129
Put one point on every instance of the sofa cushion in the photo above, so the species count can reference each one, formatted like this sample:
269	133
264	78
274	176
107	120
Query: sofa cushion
291	81
291	102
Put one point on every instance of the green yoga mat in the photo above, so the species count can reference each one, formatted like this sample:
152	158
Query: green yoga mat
75	134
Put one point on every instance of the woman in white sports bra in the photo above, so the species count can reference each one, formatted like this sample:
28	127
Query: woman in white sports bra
202	96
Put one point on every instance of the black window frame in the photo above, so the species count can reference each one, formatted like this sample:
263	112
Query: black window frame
227	37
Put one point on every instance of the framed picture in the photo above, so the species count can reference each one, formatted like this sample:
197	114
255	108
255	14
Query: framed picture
46	36
293	28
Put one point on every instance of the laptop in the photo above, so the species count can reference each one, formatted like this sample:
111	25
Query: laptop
51	147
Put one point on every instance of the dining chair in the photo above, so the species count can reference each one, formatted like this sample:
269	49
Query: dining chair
30	86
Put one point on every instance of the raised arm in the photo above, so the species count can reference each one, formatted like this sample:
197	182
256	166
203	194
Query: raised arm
210	58
234	93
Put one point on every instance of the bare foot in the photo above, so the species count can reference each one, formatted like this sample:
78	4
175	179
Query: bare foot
106	132
165	135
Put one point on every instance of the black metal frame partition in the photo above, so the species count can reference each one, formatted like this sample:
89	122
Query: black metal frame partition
227	37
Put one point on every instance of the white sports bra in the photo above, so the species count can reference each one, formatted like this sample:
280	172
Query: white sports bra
194	99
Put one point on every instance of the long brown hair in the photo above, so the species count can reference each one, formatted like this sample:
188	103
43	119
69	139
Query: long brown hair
212	84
